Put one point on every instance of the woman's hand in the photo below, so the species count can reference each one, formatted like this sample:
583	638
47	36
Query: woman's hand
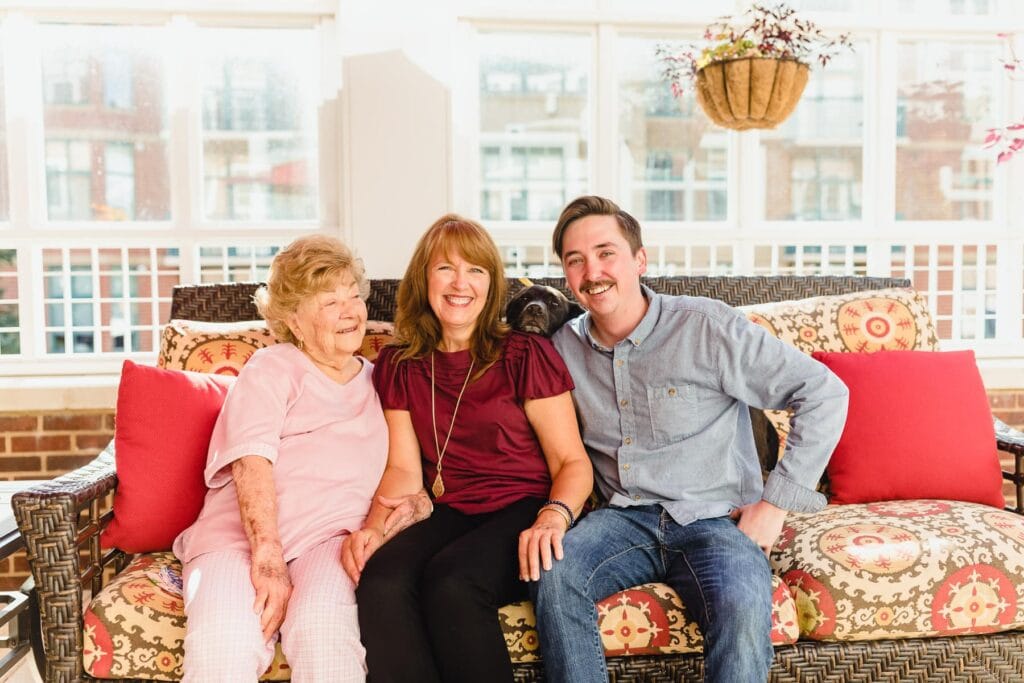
269	575
357	548
405	511
539	543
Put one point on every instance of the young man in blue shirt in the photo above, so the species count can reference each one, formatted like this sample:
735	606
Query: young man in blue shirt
663	385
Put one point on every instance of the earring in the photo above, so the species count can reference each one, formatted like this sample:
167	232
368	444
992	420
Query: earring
301	344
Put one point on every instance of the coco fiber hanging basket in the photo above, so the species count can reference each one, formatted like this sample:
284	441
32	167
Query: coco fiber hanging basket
755	92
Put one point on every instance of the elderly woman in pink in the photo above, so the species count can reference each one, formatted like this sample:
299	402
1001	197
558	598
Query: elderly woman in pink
294	460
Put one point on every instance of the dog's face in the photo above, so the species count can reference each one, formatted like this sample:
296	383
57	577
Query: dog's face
540	309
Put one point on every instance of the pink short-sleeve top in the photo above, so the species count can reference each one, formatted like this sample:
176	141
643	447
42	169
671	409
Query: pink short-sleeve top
328	443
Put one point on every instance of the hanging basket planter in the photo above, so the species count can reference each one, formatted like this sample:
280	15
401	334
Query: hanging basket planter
755	92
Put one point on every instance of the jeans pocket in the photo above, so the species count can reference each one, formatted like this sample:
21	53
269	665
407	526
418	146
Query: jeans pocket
675	412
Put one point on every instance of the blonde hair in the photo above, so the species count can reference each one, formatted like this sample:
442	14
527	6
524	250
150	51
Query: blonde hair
417	329
310	264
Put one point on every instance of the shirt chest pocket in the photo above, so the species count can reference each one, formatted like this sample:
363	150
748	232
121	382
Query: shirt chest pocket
675	412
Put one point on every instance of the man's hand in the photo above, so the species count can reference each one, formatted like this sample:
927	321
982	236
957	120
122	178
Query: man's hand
405	511
357	548
761	522
539	543
269	575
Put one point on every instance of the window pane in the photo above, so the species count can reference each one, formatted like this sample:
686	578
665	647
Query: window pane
10	341
533	123
952	7
111	307
235	263
4	196
813	161
945	100
672	159
105	123
259	124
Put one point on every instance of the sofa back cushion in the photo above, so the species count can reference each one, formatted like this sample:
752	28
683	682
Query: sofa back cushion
223	348
882	319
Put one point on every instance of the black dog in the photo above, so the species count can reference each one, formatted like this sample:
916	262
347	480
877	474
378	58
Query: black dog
540	309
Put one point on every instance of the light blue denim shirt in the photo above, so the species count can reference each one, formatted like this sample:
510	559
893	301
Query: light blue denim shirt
664	414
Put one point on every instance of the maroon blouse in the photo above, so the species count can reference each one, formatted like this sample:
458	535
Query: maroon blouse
493	458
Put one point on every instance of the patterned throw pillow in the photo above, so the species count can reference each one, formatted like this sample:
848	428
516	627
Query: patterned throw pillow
894	319
223	348
135	626
903	569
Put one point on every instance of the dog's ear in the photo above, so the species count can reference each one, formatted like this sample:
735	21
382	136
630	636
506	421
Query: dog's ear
515	306
575	310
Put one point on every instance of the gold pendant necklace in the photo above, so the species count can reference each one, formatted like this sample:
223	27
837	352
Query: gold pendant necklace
438	488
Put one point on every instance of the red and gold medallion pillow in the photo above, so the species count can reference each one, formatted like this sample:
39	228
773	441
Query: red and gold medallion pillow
644	620
223	348
903	569
135	626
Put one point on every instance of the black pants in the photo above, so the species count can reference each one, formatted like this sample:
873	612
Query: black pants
428	599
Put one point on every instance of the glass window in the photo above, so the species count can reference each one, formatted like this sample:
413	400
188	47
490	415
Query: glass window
534	137
945	100
4	191
10	339
107	299
259	125
812	163
951	7
235	263
103	90
672	159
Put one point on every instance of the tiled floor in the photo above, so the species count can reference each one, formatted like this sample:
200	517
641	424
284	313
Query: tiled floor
25	672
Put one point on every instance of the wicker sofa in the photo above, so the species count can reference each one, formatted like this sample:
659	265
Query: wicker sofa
61	520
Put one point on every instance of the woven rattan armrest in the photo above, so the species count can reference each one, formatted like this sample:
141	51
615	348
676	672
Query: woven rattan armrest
60	520
1011	441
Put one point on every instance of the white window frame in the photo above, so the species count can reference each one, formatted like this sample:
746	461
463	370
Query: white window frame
28	229
878	27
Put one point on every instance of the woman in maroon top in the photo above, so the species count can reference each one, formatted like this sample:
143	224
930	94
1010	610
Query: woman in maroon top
480	416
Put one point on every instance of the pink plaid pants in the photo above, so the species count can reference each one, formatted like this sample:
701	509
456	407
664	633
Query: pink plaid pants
319	636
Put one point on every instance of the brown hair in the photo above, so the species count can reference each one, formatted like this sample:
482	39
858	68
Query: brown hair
310	264
592	205
417	329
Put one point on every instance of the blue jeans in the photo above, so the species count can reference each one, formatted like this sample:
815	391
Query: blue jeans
721	575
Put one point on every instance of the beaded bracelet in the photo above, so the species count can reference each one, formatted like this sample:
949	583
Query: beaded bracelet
562	509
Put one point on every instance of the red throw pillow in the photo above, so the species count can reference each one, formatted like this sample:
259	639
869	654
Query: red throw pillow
163	426
919	426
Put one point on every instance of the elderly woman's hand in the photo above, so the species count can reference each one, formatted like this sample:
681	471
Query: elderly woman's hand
357	548
405	511
269	575
539	543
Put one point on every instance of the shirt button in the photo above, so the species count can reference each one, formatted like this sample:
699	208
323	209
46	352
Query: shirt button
623	403
671	392
636	497
628	440
619	362
626	466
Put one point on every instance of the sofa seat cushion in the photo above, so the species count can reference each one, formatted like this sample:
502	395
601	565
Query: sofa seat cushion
646	620
135	626
903	569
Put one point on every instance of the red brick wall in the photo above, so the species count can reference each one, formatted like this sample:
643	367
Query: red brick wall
42	445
